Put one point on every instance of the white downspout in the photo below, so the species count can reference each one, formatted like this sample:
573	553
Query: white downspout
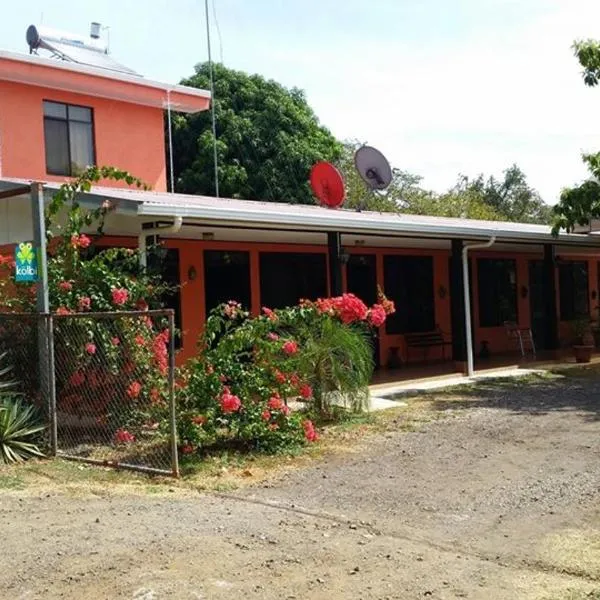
467	299
174	228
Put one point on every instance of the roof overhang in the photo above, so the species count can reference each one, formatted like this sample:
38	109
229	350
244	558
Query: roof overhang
163	206
71	77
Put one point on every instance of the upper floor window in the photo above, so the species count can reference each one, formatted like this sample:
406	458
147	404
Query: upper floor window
69	135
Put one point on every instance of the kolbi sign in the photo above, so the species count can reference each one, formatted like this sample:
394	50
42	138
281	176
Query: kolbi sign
26	263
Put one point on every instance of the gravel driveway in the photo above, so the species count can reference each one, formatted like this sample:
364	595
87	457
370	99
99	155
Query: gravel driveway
497	501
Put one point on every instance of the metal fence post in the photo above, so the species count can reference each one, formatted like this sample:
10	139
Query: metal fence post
173	412
52	387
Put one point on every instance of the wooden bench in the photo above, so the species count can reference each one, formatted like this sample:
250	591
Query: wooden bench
426	340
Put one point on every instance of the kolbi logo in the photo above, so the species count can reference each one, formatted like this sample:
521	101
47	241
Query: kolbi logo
26	268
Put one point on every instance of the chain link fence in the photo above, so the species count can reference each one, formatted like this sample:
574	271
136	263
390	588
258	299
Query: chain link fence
104	381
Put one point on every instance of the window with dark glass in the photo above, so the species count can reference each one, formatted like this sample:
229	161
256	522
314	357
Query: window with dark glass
226	277
286	278
69	138
573	290
497	291
408	281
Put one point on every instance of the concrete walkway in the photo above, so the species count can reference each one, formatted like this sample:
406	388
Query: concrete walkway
381	394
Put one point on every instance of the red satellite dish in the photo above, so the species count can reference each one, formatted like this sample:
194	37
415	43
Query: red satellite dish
327	185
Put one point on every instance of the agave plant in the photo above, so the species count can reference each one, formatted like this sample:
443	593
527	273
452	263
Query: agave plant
6	384
18	427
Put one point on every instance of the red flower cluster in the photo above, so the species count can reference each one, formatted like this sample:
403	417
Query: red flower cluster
77	378
269	314
306	391
90	348
349	309
80	241
160	352
229	402
120	296
122	436
187	449
377	315
84	303
134	389
279	376
155	396
199	420
265	415
5	259
290	347
64	286
232	308
115	341
309	431
272	336
276	403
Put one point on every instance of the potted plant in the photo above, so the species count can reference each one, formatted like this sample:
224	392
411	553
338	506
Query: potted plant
583	341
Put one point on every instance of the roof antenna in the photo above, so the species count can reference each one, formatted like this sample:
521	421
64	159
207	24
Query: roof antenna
212	100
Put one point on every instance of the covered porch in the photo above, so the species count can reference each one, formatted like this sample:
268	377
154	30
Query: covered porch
270	254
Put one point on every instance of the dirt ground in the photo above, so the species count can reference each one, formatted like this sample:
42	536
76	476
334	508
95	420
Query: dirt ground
497	500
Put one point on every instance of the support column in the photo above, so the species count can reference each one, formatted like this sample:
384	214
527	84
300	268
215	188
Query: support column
551	337
457	305
334	247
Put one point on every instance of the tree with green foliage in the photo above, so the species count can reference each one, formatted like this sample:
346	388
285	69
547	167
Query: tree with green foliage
511	197
268	138
578	205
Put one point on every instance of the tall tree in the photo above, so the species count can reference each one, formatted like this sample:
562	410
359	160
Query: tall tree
579	204
511	197
268	138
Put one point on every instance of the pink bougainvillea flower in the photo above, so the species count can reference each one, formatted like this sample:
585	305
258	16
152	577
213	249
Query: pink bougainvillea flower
115	341
140	340
63	310
377	315
141	304
275	402
187	449
84	303
77	378
290	347
134	389
229	402
90	348
265	415
80	241
155	396
199	420
65	286
269	314
309	431
279	376
122	436
306	391
160	353
231	309
272	336
119	296
350	308
294	379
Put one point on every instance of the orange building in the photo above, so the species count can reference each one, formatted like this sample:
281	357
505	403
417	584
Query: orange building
60	114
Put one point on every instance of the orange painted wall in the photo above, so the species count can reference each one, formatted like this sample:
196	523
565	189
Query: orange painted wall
127	136
193	292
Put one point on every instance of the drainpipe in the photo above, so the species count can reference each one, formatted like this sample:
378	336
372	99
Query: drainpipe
174	228
467	299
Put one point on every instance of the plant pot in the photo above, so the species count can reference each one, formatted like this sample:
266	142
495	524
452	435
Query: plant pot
583	354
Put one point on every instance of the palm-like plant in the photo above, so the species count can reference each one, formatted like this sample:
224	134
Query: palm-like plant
18	425
341	360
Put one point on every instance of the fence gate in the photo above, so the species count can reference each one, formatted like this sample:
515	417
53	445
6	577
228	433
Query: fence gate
105	382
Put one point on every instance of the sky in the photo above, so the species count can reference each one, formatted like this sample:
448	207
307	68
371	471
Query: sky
442	87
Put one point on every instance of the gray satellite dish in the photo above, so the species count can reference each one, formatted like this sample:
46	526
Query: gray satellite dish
373	167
